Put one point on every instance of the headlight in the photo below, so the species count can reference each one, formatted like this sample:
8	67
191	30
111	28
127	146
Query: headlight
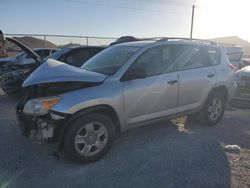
40	106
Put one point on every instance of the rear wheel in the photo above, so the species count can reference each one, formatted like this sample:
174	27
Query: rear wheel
213	109
89	138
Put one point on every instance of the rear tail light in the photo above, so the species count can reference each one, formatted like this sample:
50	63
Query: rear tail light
232	67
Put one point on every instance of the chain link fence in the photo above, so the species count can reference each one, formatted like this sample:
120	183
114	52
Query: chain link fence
55	41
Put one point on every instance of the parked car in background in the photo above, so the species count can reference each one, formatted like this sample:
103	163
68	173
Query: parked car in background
5	60
18	72
124	86
234	54
23	58
242	97
123	39
244	62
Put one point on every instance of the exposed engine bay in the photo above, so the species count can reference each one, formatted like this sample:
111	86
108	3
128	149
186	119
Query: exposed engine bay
51	89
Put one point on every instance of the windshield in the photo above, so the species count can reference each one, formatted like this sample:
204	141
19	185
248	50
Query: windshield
56	55
110	60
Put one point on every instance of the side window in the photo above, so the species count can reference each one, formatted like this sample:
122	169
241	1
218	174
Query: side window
213	55
76	57
53	51
188	57
91	52
155	61
94	51
43	53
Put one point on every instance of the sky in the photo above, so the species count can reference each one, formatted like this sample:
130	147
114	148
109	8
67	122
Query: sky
115	18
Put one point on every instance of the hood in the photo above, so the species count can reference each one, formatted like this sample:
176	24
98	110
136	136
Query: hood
52	71
26	49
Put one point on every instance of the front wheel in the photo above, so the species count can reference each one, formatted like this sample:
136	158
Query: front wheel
89	138
213	109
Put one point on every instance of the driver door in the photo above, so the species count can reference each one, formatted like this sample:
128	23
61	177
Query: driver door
155	95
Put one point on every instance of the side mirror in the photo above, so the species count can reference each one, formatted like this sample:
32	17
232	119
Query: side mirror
134	73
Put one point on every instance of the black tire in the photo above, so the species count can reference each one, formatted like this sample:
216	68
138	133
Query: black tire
204	114
69	137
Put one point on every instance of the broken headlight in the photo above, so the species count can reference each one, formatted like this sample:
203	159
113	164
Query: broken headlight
40	106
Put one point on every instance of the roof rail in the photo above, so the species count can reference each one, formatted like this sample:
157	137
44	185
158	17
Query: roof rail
160	39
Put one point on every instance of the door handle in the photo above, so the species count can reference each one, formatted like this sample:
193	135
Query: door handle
172	82
211	75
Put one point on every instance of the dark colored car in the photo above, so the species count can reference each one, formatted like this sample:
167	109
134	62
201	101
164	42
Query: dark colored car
23	58
242	97
124	39
17	73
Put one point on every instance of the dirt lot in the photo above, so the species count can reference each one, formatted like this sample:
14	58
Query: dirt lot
162	155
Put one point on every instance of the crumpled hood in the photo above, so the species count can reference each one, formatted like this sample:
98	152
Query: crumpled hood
52	71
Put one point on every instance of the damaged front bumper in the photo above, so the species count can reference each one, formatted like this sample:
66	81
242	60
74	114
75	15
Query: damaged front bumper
44	129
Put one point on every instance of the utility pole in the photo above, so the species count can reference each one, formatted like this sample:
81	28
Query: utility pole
192	22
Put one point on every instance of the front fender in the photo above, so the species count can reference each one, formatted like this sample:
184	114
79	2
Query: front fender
104	94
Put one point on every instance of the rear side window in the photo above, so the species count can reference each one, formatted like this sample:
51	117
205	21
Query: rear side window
188	57
213	55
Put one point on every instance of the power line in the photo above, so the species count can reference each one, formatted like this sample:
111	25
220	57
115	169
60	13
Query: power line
169	2
124	7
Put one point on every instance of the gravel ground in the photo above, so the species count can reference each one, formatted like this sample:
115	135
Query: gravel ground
161	155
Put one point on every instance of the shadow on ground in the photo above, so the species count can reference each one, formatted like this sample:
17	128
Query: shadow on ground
156	156
160	155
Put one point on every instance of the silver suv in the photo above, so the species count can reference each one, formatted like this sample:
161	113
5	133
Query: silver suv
126	85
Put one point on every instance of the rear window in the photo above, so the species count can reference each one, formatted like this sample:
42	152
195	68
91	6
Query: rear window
213	54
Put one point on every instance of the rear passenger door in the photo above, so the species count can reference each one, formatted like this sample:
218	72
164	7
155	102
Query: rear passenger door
196	76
